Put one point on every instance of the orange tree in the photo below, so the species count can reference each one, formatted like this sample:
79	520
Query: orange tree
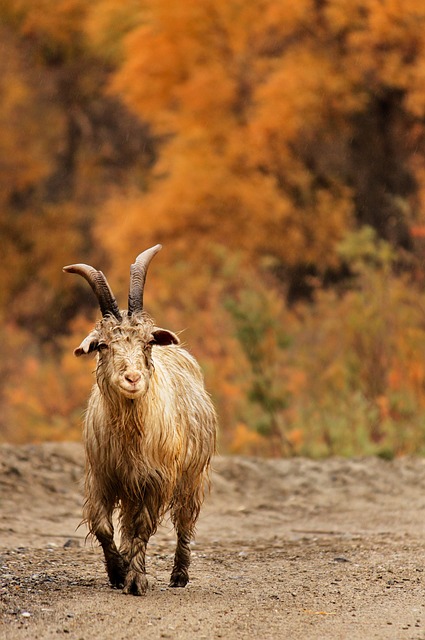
63	144
280	126
281	122
272	129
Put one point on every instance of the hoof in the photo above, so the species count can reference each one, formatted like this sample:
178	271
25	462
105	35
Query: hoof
135	584
117	573
179	579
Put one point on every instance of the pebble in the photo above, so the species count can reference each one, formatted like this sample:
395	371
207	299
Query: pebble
341	559
72	543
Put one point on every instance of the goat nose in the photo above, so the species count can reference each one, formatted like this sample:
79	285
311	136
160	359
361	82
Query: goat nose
133	377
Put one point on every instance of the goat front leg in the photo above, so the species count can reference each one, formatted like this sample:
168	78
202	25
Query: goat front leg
99	520
136	582
137	527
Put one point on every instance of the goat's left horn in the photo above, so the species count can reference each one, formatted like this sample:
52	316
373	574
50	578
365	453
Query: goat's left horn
99	284
138	272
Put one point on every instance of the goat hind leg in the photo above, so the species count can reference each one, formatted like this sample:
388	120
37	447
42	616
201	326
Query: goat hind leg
184	520
180	572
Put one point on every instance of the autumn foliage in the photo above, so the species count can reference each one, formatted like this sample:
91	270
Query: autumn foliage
277	150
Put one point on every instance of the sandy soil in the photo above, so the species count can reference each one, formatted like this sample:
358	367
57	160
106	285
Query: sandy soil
292	549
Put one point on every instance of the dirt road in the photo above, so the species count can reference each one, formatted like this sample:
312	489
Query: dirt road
292	549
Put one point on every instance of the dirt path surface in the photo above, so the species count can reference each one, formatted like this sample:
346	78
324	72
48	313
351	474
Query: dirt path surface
291	549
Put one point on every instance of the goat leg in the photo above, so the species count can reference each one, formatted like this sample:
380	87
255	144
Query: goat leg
138	524
116	566
136	582
99	520
180	573
185	511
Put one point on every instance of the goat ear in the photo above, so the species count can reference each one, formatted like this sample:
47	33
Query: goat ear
89	344
163	337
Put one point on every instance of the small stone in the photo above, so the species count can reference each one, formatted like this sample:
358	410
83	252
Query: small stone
72	543
341	559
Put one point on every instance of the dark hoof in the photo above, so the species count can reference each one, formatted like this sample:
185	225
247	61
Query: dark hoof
117	573
179	579
136	584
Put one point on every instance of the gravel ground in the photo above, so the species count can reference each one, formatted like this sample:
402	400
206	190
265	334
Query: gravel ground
294	549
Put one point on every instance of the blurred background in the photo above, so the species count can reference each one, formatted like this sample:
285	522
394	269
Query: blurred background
277	150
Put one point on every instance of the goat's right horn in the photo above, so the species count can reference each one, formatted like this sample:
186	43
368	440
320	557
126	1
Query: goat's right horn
99	284
138	272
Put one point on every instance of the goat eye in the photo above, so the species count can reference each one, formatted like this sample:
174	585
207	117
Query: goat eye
102	346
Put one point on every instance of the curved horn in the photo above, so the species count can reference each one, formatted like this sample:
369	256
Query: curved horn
137	278
99	284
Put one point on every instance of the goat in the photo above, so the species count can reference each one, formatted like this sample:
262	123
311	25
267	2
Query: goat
149	434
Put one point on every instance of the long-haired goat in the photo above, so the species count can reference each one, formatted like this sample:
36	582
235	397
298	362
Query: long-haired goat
149	434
